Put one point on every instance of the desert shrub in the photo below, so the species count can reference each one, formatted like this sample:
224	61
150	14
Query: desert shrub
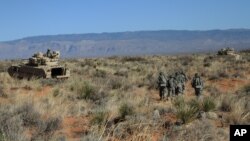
179	102
227	104
218	75
11	124
238	108
13	129
52	124
235	118
28	114
214	77
91	137
115	83
133	59
86	91
186	60
151	81
196	105
245	90
100	73
100	117
238	75
87	62
186	113
49	82
125	110
208	104
56	92
4	66
122	72
46	128
223	74
207	64
199	130
2	93
212	90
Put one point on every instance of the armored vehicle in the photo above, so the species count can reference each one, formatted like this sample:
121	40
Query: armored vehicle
40	66
230	52
226	51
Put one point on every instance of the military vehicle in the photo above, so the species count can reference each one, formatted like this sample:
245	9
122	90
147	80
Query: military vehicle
40	66
230	52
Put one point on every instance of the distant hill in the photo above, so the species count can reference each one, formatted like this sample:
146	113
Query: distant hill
128	43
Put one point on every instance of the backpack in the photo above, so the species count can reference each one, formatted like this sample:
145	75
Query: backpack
162	81
171	83
197	83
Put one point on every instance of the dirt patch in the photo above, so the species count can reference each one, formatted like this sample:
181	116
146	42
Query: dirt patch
4	100
230	85
75	127
156	136
170	117
45	91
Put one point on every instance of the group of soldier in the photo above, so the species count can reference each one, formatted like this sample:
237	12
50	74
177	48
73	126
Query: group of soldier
174	85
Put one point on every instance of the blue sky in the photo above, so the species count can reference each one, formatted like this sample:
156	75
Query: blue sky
22	18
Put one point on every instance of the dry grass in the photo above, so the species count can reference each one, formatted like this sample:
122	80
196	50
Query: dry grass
116	98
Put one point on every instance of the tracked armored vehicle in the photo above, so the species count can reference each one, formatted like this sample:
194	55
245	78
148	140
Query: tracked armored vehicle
40	66
229	52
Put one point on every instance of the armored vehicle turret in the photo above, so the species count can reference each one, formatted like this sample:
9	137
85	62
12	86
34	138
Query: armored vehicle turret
40	66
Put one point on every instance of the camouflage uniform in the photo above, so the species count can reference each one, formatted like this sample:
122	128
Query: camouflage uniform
197	84
184	79
178	87
171	86
162	82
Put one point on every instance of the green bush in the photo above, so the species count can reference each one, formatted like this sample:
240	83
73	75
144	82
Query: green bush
115	83
100	117
28	114
125	110
100	73
208	104
186	113
195	105
46	128
86	91
179	102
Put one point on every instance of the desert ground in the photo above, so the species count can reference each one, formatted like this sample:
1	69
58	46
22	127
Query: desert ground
116	98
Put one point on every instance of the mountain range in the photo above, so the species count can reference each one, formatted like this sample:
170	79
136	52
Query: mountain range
128	43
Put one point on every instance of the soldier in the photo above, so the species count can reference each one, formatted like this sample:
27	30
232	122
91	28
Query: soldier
162	85
48	54
197	84
178	86
184	79
171	86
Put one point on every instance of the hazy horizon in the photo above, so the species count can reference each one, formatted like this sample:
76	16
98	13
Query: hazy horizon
121	32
